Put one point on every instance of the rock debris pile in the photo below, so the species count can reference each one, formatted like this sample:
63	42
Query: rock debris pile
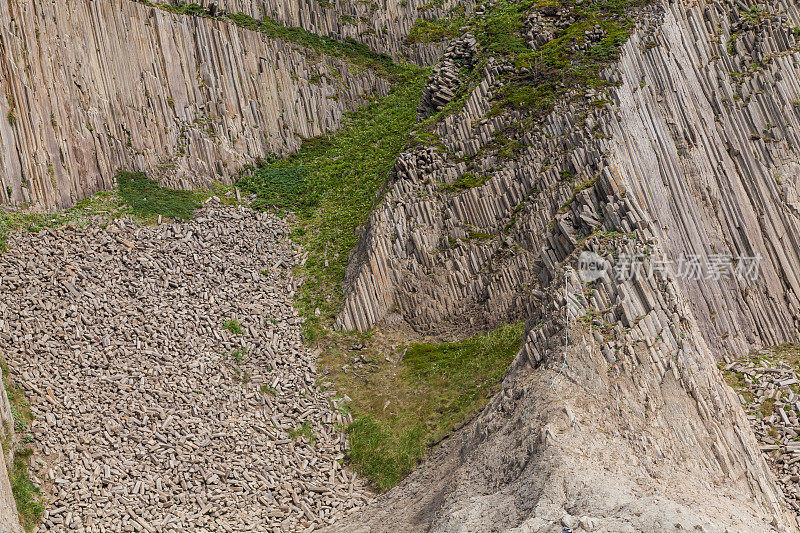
769	389
542	25
446	77
171	389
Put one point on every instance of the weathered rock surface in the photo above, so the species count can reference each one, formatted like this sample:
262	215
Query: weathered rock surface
90	87
613	417
446	75
150	415
722	188
706	142
628	428
692	152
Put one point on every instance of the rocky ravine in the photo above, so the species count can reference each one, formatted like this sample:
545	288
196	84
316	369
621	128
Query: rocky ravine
690	151
150	415
613	416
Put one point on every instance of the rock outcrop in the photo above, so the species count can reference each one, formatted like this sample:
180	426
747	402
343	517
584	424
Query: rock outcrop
613	417
709	152
90	87
688	158
446	76
726	188
9	519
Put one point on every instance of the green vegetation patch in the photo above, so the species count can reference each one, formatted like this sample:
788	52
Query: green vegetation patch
436	30
562	64
501	31
305	430
26	494
465	181
331	184
736	381
282	185
146	198
101	204
383	452
402	409
233	326
767	406
114	204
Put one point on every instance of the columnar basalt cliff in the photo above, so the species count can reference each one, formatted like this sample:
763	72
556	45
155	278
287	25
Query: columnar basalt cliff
612	418
679	149
383	26
90	87
707	151
706	141
689	152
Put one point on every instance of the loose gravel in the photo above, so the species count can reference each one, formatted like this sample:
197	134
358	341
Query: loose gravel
150	414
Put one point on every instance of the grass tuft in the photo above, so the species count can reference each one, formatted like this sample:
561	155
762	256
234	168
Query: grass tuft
305	430
234	327
26	493
464	182
436	30
238	355
767	407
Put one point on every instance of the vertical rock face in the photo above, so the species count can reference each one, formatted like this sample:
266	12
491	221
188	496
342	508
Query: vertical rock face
382	25
9	521
707	142
705	145
90	87
627	426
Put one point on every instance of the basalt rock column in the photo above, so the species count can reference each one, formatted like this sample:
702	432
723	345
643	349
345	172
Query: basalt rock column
90	87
